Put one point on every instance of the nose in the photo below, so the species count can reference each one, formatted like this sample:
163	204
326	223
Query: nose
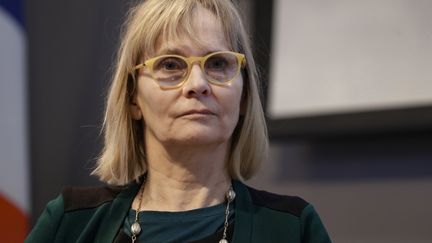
196	85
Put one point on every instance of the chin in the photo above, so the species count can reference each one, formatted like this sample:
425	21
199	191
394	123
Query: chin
201	138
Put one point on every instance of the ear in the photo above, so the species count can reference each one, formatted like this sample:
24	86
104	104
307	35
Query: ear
134	108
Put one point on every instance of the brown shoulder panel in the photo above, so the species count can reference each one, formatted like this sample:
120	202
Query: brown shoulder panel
289	204
88	197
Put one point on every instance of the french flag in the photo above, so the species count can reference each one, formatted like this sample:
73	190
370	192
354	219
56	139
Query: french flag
14	174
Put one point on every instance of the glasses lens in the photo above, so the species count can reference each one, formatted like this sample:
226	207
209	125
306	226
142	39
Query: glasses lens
221	67
169	70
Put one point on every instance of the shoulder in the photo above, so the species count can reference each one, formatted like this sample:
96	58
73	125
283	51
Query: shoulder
80	204
289	204
287	212
75	198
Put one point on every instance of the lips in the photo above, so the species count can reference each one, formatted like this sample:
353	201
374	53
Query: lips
197	112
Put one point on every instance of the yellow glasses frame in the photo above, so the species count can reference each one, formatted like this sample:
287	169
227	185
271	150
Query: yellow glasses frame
241	60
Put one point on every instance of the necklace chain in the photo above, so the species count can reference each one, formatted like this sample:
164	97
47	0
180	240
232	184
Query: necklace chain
136	227
230	195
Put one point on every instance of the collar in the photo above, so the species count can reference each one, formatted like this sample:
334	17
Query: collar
243	213
120	206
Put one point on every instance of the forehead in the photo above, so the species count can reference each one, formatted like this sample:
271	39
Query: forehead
202	34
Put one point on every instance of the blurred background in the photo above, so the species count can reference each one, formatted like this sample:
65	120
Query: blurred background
347	93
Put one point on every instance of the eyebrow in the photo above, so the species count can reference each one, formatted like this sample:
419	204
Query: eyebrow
177	51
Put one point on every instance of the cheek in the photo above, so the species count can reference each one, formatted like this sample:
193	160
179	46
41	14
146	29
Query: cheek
152	102
232	102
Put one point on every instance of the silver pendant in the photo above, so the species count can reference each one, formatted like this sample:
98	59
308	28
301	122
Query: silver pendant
230	195
136	228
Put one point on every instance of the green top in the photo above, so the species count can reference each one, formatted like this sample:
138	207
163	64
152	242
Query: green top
170	227
98	214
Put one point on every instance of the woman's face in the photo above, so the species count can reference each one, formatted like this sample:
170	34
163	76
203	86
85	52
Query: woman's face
197	113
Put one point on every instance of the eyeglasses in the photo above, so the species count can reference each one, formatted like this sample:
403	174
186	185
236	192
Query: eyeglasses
172	71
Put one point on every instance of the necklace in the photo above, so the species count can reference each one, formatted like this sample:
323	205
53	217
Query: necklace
229	196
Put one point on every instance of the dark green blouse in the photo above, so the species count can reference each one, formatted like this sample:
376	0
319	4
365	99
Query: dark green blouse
98	215
185	226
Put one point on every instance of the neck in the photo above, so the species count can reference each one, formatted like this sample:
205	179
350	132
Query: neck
181	178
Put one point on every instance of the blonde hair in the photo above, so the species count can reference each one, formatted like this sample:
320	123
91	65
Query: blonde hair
123	157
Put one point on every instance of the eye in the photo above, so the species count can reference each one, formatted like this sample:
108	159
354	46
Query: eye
216	63
170	64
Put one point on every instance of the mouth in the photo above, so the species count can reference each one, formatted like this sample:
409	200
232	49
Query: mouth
201	112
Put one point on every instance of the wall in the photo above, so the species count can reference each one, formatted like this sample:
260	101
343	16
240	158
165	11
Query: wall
71	47
373	189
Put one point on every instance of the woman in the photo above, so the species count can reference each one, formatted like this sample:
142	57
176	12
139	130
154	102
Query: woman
183	127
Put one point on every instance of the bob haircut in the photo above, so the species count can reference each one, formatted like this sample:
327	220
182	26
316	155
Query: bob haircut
123	157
